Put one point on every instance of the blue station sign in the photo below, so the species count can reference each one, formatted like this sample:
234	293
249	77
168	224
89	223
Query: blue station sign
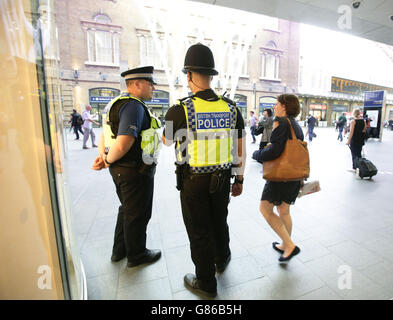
241	104
374	98
158	101
94	99
266	105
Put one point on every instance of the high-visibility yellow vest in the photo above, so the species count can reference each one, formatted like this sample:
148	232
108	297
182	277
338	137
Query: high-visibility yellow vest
150	138
209	125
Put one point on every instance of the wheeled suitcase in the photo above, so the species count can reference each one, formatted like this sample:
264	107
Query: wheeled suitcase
366	168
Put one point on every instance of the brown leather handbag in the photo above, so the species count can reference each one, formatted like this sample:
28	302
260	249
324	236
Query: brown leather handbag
292	165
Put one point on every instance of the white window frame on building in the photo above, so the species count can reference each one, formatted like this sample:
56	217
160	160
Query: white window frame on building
244	68
148	53
102	40
270	62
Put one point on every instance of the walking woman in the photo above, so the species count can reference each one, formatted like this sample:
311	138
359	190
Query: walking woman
356	137
281	194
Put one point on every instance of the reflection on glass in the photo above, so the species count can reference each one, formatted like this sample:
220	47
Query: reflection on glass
39	257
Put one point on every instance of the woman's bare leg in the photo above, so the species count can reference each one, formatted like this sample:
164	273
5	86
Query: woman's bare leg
283	211
278	226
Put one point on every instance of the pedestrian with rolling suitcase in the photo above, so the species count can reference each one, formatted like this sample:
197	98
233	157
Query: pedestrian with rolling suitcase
356	137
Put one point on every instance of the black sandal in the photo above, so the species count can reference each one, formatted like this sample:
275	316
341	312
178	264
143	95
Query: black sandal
293	253
277	249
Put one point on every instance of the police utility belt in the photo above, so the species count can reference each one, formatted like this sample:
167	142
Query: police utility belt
217	178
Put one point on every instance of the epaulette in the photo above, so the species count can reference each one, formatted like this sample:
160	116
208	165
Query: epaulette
226	99
185	98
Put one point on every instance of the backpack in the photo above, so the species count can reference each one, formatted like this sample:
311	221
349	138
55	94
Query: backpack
341	122
79	120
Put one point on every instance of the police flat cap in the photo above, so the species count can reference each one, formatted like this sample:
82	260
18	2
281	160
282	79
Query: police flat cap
139	73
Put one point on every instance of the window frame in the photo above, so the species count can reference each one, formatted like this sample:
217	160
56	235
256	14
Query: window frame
90	28
271	51
148	53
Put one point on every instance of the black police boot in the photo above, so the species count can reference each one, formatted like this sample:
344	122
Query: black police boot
149	256
118	257
221	265
194	285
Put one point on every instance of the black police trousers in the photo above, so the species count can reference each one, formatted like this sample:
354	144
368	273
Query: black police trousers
205	217
135	192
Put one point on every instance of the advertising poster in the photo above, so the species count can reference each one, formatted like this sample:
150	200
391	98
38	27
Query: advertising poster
373	115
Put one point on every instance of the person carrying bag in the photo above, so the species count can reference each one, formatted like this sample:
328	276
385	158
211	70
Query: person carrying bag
285	164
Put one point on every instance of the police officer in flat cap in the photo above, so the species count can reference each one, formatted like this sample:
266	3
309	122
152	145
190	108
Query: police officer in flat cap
208	132
129	147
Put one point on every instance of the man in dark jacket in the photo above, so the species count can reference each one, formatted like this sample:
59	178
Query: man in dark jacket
76	123
342	120
311	121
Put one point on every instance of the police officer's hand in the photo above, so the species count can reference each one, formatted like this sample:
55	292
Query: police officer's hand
99	164
237	189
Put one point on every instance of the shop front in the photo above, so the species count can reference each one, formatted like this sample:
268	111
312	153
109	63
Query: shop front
267	102
241	103
337	111
159	104
98	99
301	116
318	110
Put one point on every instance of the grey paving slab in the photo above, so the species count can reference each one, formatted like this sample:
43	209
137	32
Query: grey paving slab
142	273
179	263
355	255
102	228
151	290
350	223
311	249
240	270
324	293
292	281
103	287
327	267
257	289
360	288
381	274
96	255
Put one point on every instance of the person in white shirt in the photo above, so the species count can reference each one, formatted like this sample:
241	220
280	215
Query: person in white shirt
253	125
88	127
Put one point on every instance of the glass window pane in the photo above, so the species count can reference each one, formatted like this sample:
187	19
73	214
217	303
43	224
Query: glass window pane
142	50
150	51
116	48
90	45
270	66
103	46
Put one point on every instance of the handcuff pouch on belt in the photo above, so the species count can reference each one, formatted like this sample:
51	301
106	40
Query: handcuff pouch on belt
216	179
181	172
147	169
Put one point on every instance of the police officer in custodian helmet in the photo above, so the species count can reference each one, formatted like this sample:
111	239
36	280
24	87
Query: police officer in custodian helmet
208	132
129	147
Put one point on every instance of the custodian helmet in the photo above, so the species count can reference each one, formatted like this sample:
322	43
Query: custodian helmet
199	58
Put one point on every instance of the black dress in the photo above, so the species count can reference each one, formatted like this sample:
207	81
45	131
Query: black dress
279	192
357	141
